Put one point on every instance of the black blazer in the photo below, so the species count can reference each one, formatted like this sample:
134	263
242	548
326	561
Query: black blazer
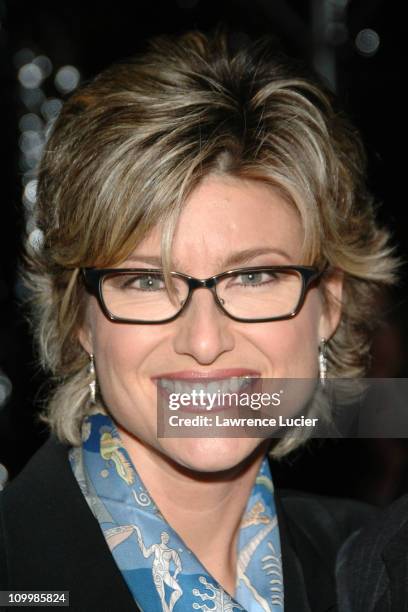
372	567
49	540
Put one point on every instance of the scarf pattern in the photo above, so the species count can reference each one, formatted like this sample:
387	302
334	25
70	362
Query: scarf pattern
160	571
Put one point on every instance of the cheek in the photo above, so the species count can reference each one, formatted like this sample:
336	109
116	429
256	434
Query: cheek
120	353
291	347
118	343
116	346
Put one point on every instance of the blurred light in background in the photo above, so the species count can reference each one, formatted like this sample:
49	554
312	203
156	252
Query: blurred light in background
67	79
3	476
32	98
23	56
36	238
30	76
340	4
50	108
31	144
5	389
30	121
367	42
31	225
45	65
37	119
30	194
336	33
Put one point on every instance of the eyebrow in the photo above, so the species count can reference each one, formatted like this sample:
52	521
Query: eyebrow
234	259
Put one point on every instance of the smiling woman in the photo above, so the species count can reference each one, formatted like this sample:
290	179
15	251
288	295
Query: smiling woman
204	221
202	342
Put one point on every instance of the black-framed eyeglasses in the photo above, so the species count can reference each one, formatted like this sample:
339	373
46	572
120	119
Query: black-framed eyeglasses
251	295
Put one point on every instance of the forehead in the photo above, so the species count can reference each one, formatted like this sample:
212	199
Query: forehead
226	219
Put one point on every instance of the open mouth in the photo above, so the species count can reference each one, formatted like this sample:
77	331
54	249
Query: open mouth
201	395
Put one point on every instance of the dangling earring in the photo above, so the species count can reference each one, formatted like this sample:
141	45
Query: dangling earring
92	384
322	361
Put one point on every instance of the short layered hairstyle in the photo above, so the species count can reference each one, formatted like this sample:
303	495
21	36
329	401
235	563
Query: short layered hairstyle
129	147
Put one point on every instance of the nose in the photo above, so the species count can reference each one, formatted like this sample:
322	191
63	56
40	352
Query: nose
203	330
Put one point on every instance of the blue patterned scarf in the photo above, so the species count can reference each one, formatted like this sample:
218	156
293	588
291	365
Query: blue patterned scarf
161	572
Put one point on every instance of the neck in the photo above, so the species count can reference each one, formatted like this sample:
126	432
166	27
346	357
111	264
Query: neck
204	509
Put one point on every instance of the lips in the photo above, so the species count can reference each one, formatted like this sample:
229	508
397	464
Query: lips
222	385
197	375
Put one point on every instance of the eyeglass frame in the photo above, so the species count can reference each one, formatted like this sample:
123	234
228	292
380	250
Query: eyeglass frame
93	281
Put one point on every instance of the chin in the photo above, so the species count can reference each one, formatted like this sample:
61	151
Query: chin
211	455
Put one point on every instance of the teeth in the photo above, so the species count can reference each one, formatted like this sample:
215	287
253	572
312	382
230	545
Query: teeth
235	384
213	388
166	384
226	385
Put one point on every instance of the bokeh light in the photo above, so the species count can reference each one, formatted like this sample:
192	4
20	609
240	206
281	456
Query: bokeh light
5	388
67	79
31	121
31	143
50	108
23	56
30	194
30	76
3	476
367	42
36	238
32	98
44	63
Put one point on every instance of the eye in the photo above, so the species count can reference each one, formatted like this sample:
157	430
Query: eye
144	282
253	279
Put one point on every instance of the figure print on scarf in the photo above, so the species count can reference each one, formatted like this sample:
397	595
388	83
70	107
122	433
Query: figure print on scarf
149	552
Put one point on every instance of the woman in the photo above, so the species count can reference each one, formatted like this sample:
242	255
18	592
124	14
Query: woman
204	220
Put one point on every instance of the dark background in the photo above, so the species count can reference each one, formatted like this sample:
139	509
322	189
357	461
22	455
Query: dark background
357	46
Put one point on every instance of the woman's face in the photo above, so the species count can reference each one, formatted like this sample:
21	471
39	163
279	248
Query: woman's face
226	223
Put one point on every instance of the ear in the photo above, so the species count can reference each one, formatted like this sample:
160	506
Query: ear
332	303
85	338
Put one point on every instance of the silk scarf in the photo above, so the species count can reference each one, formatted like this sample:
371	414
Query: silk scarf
161	572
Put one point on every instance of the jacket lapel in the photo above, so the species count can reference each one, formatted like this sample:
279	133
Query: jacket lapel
64	546
295	594
308	580
395	556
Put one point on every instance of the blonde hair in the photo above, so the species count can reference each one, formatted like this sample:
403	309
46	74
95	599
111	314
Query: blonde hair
129	147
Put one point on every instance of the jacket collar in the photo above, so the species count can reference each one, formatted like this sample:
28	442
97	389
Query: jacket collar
61	547
308	582
395	557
